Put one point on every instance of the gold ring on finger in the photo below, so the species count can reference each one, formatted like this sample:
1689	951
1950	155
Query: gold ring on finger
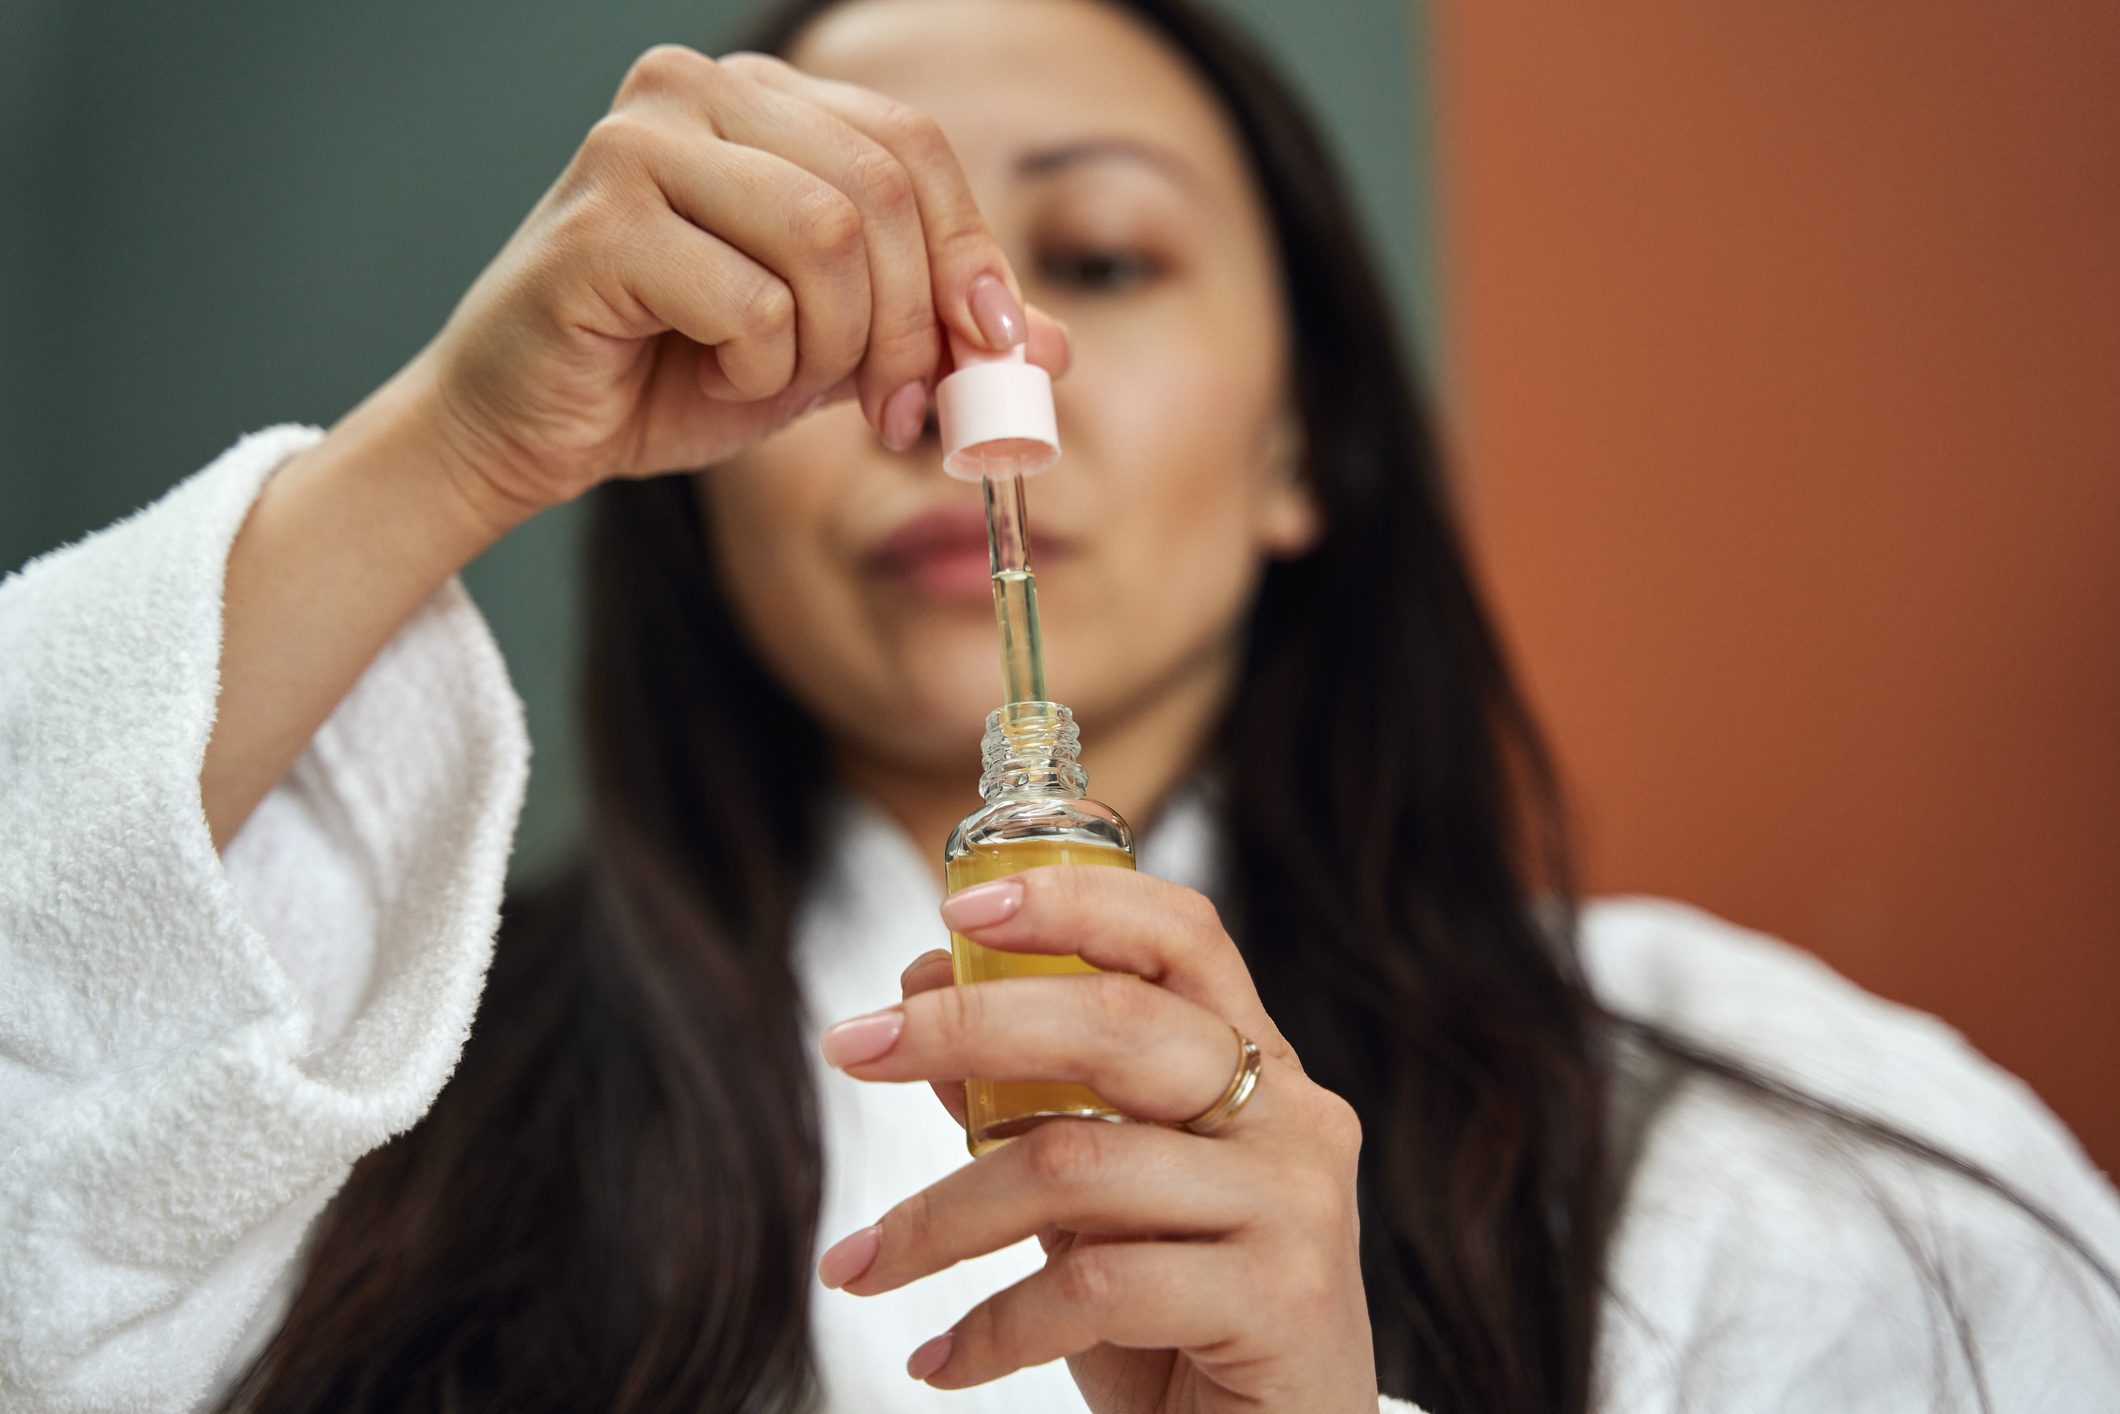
1241	1086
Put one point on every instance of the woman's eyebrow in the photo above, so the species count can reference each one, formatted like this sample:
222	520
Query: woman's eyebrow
1045	161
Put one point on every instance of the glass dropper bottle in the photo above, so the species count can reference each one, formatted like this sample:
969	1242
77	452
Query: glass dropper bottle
998	427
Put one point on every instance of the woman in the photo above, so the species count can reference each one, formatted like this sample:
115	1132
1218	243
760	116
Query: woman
253	927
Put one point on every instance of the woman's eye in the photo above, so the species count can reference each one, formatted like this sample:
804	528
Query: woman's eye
1098	271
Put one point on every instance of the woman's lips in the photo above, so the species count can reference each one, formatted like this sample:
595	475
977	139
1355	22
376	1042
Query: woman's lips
941	552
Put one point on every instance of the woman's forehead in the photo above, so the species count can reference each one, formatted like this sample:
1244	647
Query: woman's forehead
1009	79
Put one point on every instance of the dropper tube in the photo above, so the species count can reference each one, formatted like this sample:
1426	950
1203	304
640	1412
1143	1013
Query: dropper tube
1008	547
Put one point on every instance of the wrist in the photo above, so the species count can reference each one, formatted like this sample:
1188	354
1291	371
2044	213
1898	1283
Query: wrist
396	453
482	469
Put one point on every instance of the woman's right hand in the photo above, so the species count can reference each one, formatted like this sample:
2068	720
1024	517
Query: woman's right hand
733	243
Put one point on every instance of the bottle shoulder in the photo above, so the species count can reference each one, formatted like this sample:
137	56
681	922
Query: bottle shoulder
1073	819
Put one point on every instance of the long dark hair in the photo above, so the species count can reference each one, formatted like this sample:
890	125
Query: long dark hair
612	1203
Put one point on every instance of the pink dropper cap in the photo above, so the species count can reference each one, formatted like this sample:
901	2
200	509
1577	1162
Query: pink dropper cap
996	414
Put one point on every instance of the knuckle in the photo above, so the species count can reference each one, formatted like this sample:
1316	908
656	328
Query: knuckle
957	1013
906	345
883	183
749	64
913	1223
1085	1278
826	224
1125	1007
618	147
958	234
665	66
982	1332
964	239
1049	896
1062	1155
768	309
1076	884
1342	1126
913	133
597	229
1203	918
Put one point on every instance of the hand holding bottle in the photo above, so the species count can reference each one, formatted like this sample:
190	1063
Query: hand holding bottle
1184	1272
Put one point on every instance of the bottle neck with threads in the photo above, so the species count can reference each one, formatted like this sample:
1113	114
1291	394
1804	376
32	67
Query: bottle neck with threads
1034	789
1031	749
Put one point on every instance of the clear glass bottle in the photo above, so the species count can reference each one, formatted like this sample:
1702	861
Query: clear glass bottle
1036	813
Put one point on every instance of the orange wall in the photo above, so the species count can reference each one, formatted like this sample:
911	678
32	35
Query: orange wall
1784	367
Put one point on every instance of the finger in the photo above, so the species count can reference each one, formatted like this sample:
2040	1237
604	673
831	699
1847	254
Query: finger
794	223
1127	1180
1146	1295
1144	1050
904	339
1050	347
974	289
926	972
930	970
1121	920
666	274
680	419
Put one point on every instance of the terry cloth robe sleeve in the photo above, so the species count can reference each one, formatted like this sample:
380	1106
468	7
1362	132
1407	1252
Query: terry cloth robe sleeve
196	1046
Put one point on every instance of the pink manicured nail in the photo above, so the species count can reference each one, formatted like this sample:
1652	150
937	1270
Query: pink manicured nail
850	1256
995	310
983	904
903	413
863	1038
930	1357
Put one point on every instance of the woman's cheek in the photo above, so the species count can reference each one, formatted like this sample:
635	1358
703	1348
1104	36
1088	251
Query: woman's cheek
1170	578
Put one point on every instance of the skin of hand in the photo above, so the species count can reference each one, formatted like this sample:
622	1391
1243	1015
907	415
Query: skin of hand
732	246
1184	1272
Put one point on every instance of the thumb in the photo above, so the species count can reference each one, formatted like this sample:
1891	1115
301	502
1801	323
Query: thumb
930	970
1048	344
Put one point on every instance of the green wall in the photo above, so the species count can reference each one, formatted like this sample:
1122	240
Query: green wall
222	215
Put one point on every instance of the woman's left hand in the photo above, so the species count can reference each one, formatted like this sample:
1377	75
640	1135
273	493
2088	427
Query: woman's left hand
1184	1272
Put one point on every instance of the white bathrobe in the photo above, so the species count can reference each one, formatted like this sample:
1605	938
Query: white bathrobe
195	1047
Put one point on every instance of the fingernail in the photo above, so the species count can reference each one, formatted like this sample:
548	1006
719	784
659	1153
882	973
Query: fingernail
983	904
995	310
903	414
930	1357
850	1256
863	1038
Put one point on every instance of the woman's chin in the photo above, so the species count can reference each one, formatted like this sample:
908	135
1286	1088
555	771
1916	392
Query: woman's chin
930	707
935	710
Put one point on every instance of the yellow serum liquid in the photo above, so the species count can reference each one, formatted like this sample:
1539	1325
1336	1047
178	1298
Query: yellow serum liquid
999	1110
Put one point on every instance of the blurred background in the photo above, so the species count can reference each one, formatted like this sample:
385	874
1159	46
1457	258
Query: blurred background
1778	348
